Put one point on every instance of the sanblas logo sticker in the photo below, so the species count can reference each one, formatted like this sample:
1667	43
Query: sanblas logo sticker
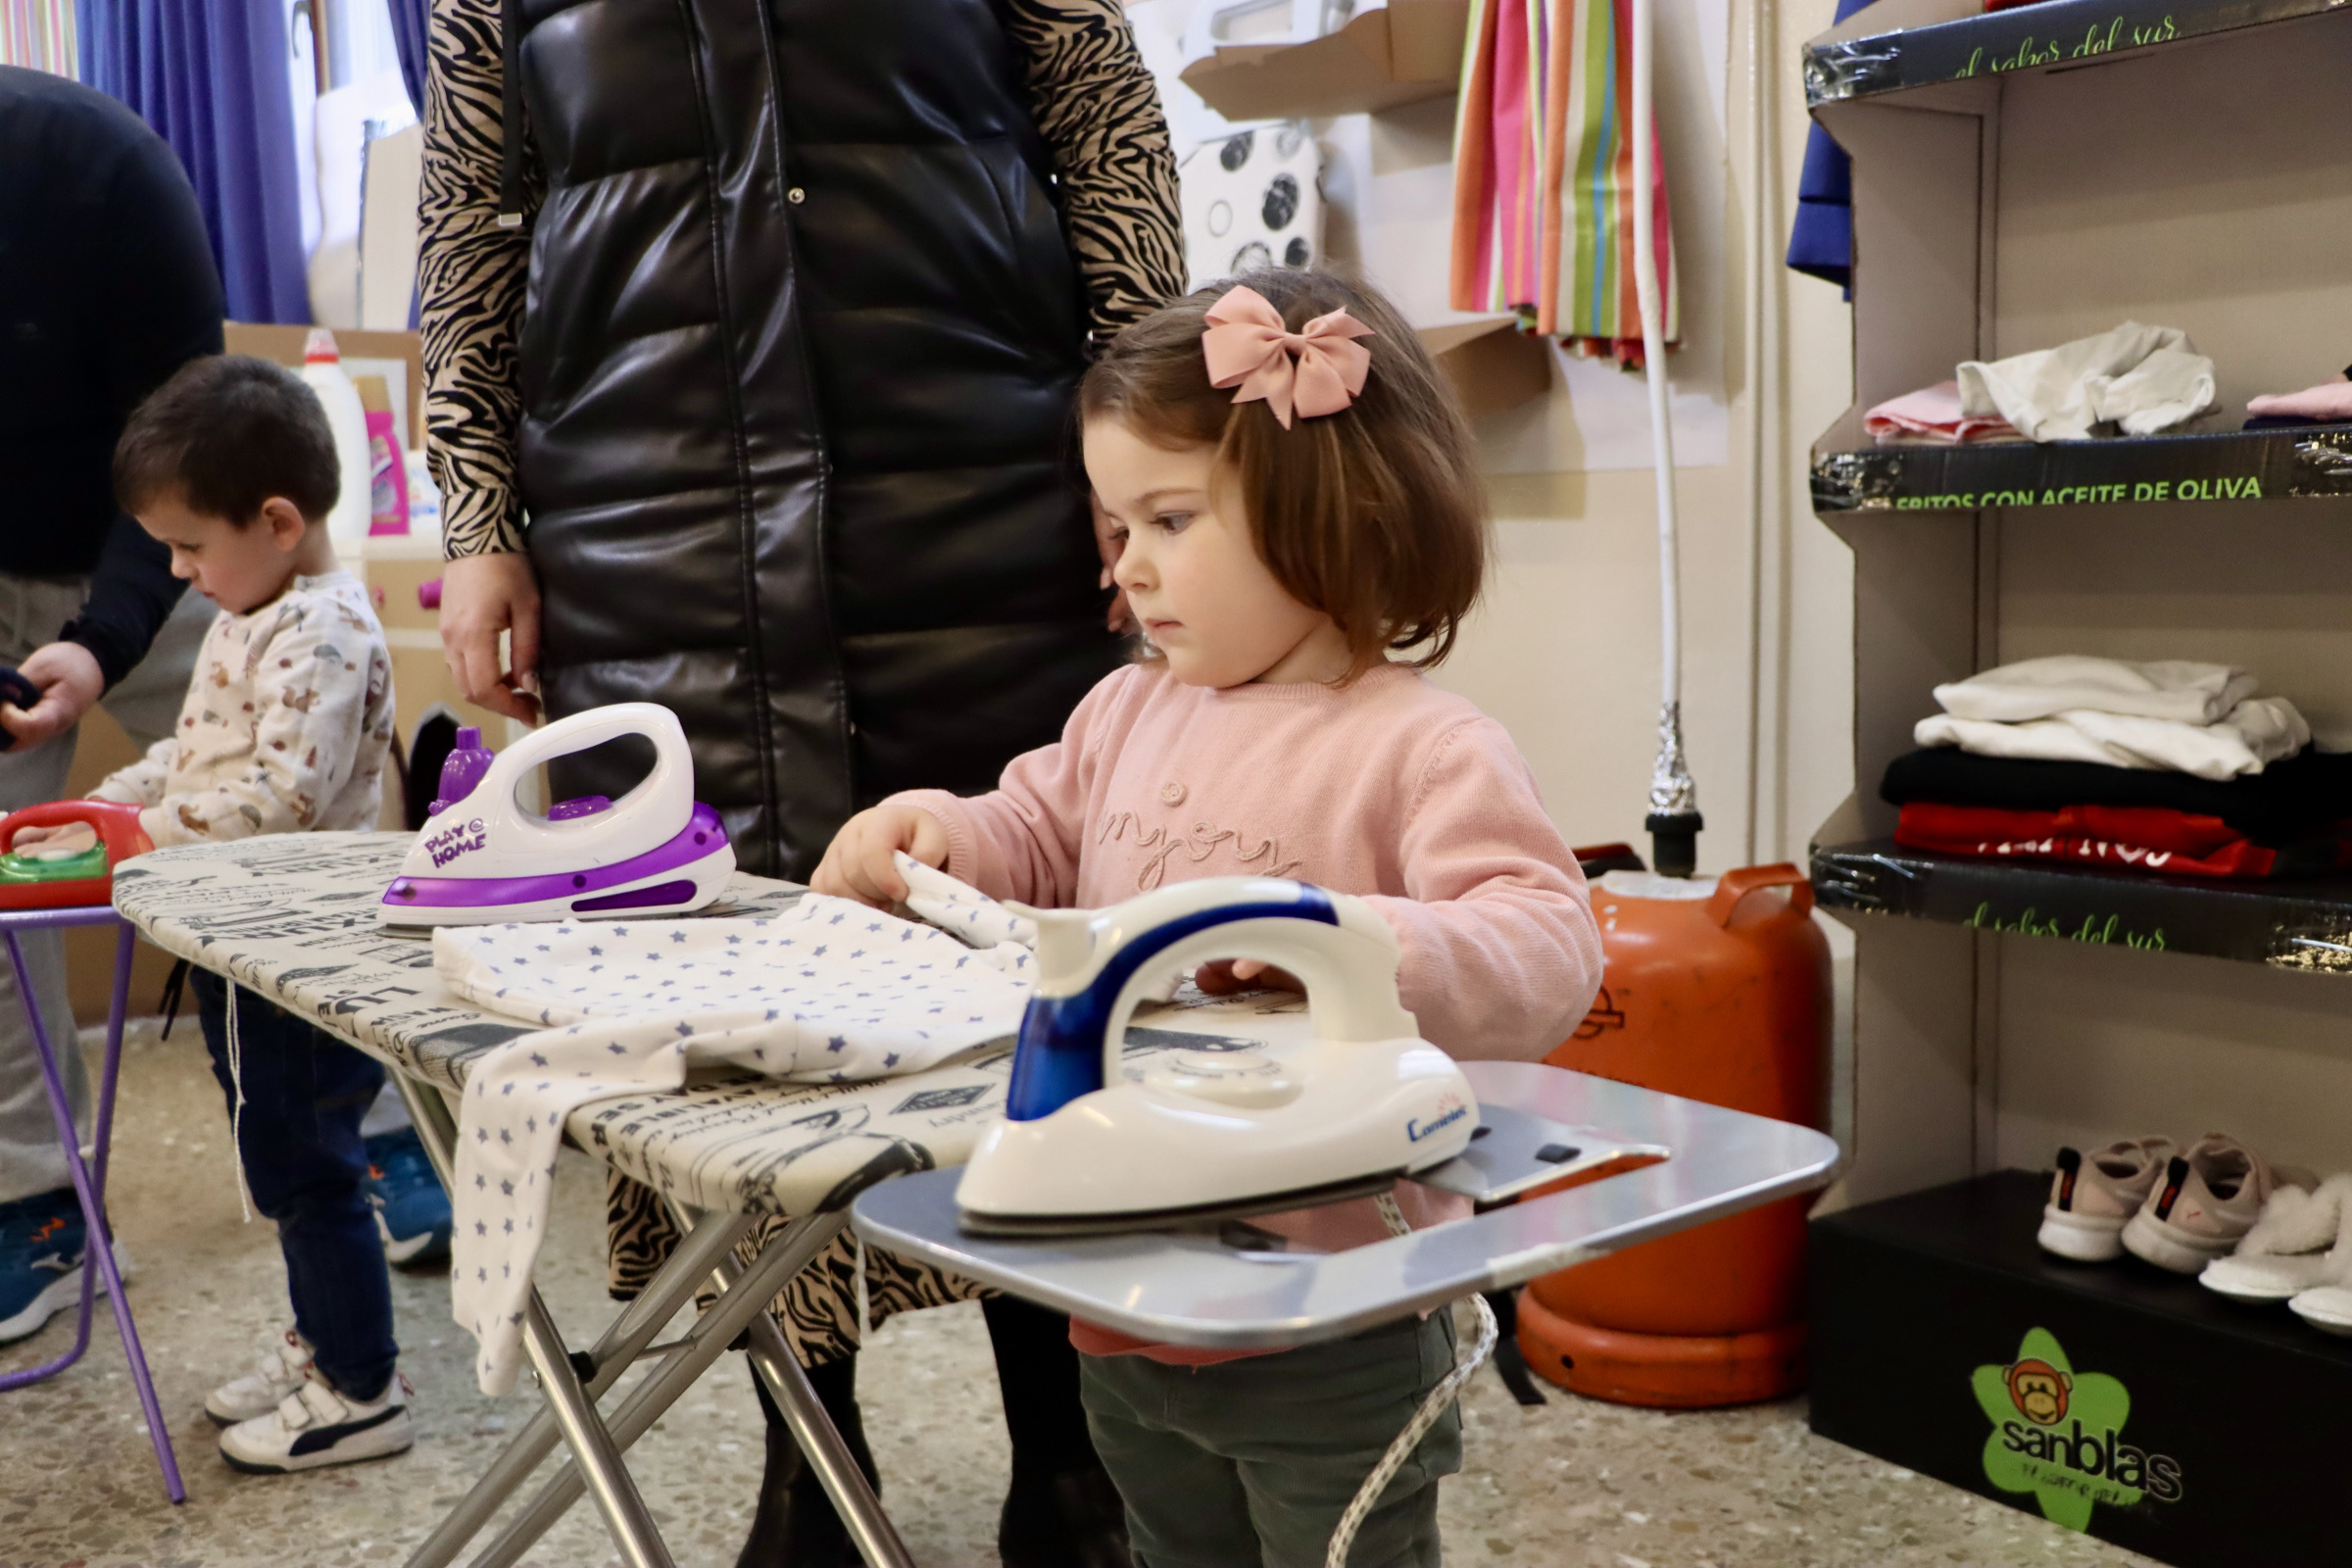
2058	1434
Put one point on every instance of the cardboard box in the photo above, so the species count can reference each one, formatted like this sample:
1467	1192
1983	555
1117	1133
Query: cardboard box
397	356
1399	53
1492	365
2111	1398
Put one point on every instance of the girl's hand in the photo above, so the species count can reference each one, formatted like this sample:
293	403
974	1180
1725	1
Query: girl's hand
858	862
1226	976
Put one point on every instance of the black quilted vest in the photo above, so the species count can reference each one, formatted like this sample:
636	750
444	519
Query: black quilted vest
797	367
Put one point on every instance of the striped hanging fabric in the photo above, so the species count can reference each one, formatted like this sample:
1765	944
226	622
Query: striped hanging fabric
39	34
1544	171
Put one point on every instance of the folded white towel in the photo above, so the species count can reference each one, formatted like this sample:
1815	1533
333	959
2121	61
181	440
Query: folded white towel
2257	732
2177	689
2145	378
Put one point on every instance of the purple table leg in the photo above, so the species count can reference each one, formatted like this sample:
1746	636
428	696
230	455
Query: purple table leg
88	1187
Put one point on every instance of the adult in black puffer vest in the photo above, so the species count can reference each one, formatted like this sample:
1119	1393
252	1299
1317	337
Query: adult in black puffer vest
770	326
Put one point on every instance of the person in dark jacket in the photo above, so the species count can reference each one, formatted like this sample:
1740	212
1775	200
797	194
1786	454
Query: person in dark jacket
107	286
751	336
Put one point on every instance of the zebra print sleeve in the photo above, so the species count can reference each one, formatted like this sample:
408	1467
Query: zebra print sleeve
1098	110
470	278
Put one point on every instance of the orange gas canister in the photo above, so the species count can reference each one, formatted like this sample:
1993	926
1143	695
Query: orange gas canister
1714	989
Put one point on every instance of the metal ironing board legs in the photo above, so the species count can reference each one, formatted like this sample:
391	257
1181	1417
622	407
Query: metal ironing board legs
596	1441
876	1537
575	1412
620	1346
89	1176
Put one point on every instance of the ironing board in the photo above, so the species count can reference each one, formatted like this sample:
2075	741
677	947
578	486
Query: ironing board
293	919
88	1171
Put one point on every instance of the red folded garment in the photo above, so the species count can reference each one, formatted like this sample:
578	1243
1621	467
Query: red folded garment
2123	837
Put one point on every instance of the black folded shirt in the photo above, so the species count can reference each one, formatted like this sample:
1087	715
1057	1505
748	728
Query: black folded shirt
2288	802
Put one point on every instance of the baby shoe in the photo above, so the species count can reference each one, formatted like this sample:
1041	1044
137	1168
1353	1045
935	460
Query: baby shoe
282	1369
2092	1196
316	1425
2299	1243
2328	1308
2209	1198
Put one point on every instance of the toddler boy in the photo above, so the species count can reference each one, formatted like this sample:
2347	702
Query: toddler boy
285	729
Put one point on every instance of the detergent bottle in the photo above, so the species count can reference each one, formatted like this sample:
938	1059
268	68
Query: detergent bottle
1718	990
323	367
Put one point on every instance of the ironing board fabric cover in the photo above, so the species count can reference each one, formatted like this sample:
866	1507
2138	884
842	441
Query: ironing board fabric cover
1543	174
827	992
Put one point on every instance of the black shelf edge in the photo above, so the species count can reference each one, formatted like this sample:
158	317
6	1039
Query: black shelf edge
2313	463
2053	34
2287	923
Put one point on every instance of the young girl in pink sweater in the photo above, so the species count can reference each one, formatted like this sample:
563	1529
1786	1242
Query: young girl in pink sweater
1290	500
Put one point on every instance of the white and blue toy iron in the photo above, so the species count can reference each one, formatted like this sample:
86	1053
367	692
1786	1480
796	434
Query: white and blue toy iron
485	859
1205	1136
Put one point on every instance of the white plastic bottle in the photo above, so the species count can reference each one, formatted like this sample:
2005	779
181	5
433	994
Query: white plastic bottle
322	368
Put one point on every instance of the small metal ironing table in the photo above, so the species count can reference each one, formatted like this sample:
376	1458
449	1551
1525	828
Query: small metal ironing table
87	1168
293	918
1225	1289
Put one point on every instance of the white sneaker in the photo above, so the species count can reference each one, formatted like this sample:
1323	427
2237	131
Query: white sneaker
2092	1196
280	1371
315	1426
2297	1244
2208	1201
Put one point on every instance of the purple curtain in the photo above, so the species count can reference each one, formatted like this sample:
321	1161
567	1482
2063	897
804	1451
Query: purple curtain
210	76
408	19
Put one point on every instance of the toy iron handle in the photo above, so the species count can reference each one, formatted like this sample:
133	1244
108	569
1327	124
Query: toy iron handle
116	824
594	727
1349	976
1342	951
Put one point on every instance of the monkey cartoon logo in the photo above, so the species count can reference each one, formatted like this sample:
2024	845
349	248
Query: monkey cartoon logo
2039	1392
2058	1434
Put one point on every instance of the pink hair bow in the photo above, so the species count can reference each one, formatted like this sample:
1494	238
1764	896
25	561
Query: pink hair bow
1318	369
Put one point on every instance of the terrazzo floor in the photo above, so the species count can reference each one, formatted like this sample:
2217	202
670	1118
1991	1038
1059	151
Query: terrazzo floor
1568	1484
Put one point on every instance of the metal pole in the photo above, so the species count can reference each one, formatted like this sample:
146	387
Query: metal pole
612	1354
591	1446
854	1499
1674	821
746	1299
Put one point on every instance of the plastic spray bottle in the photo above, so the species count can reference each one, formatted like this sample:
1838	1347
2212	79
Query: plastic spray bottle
322	368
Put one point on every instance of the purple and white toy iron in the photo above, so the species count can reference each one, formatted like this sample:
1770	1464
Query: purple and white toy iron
483	858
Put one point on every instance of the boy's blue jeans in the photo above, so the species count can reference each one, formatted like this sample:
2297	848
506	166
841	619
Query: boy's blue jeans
306	1167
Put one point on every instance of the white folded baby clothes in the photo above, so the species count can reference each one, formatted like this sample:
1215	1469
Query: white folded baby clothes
2256	733
2143	378
826	992
2177	689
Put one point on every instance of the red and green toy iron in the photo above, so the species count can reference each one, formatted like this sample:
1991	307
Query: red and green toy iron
29	883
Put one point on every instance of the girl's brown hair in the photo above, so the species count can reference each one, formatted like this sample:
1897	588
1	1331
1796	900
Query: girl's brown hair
1374	515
